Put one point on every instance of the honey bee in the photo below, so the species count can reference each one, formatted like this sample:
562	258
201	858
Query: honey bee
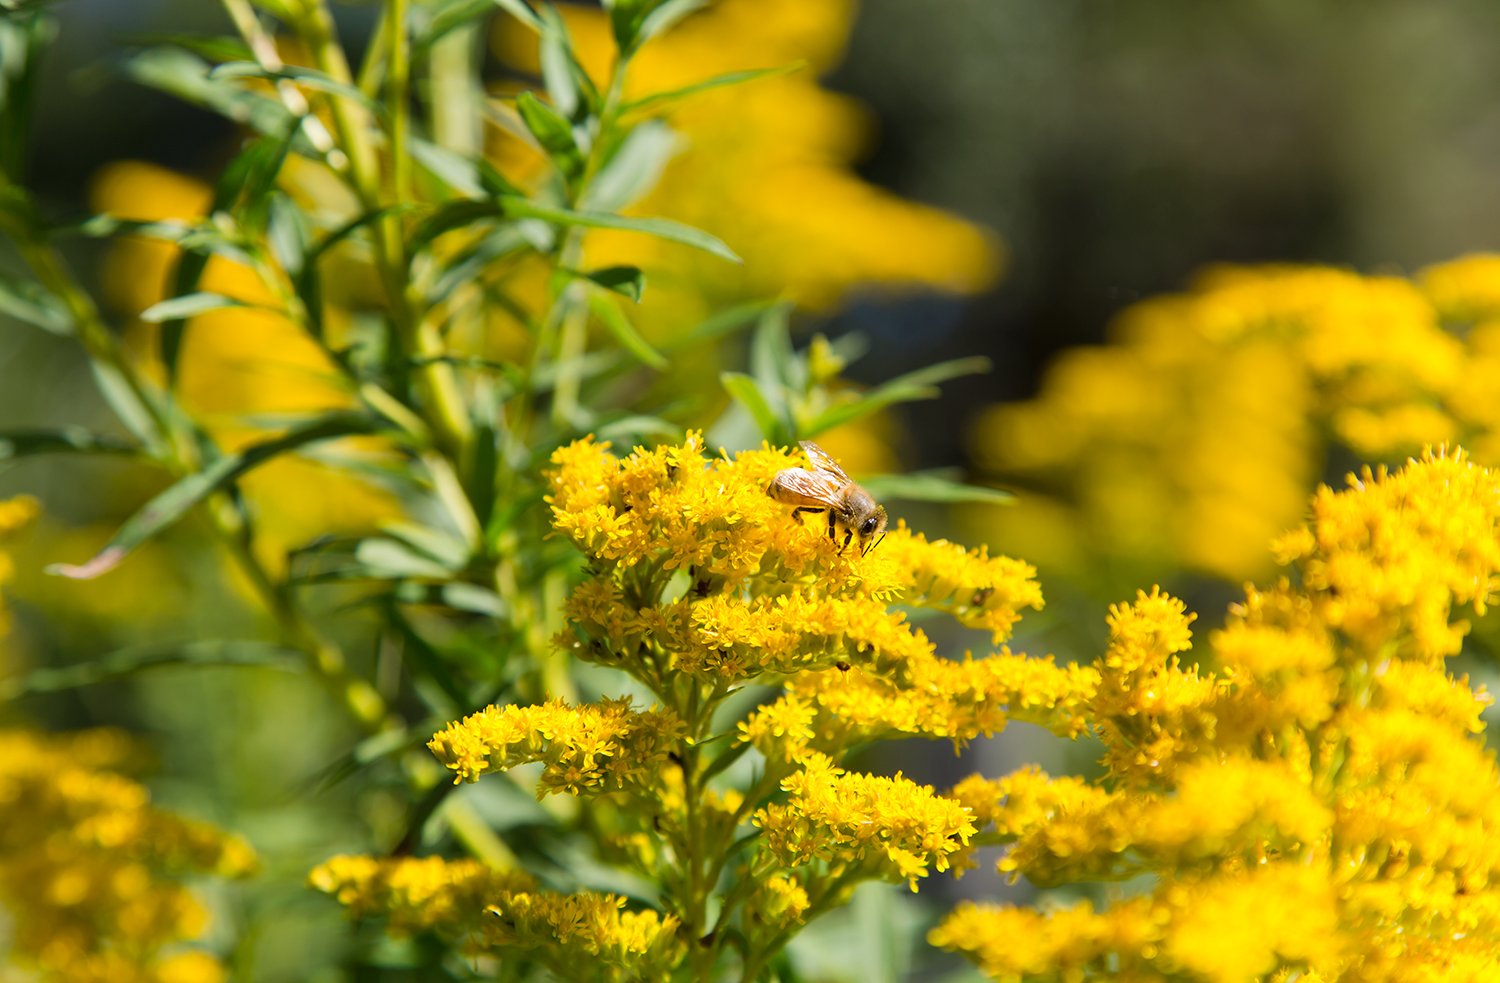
827	488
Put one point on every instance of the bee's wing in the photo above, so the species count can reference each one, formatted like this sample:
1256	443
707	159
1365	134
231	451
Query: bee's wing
820	460
813	489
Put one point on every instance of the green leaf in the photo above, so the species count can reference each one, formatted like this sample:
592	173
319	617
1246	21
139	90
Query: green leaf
127	662
719	325
748	395
522	12
773	362
553	131
214	48
306	77
632	169
27	302
615	321
186	76
558	73
660	227
716	82
627	281
68	440
391	559
664	17
190	305
933	487
908	388
170	505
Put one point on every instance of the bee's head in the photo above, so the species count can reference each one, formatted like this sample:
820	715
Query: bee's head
874	525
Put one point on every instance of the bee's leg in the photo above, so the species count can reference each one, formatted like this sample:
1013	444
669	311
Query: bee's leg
847	536
802	508
831	537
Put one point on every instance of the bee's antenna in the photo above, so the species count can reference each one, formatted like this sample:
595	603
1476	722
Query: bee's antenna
871	548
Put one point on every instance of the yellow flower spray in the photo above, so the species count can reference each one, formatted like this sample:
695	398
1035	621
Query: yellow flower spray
1312	801
700	585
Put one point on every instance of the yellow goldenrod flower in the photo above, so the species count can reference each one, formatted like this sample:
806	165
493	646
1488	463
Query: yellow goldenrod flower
580	936
891	826
1317	797
90	872
591	749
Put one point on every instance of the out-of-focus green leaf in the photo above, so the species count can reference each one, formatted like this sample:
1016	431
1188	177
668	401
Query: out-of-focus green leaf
558	72
773	362
385	559
632	169
910	387
449	551
186	76
933	487
618	325
553	132
748	395
635	428
127	662
170	505
663	16
627	281
67	440
189	305
522	12
309	78
715	326
657	99
25	301
660	227
214	48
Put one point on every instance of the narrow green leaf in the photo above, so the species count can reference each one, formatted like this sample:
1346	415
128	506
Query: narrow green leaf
907	388
385	559
664	16
719	325
773	362
627	281
170	505
191	305
748	395
933	487
29	303
127	662
660	227
633	168
656	99
68	440
522	12
186	76
557	69
553	131
306	77
615	321
210	47
474	599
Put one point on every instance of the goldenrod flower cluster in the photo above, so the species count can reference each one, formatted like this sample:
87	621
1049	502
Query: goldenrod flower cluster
699	583
1192	439
587	750
91	874
579	936
1313	796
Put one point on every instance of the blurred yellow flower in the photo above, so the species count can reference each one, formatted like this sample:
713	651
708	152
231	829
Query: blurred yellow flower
91	873
765	166
1191	440
1316	796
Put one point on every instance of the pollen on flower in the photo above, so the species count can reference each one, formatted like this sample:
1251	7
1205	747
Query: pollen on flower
588	749
893	827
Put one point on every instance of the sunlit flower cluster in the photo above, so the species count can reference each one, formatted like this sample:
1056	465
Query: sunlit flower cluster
91	874
698	583
1314	797
581	936
593	749
1192	439
898	828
